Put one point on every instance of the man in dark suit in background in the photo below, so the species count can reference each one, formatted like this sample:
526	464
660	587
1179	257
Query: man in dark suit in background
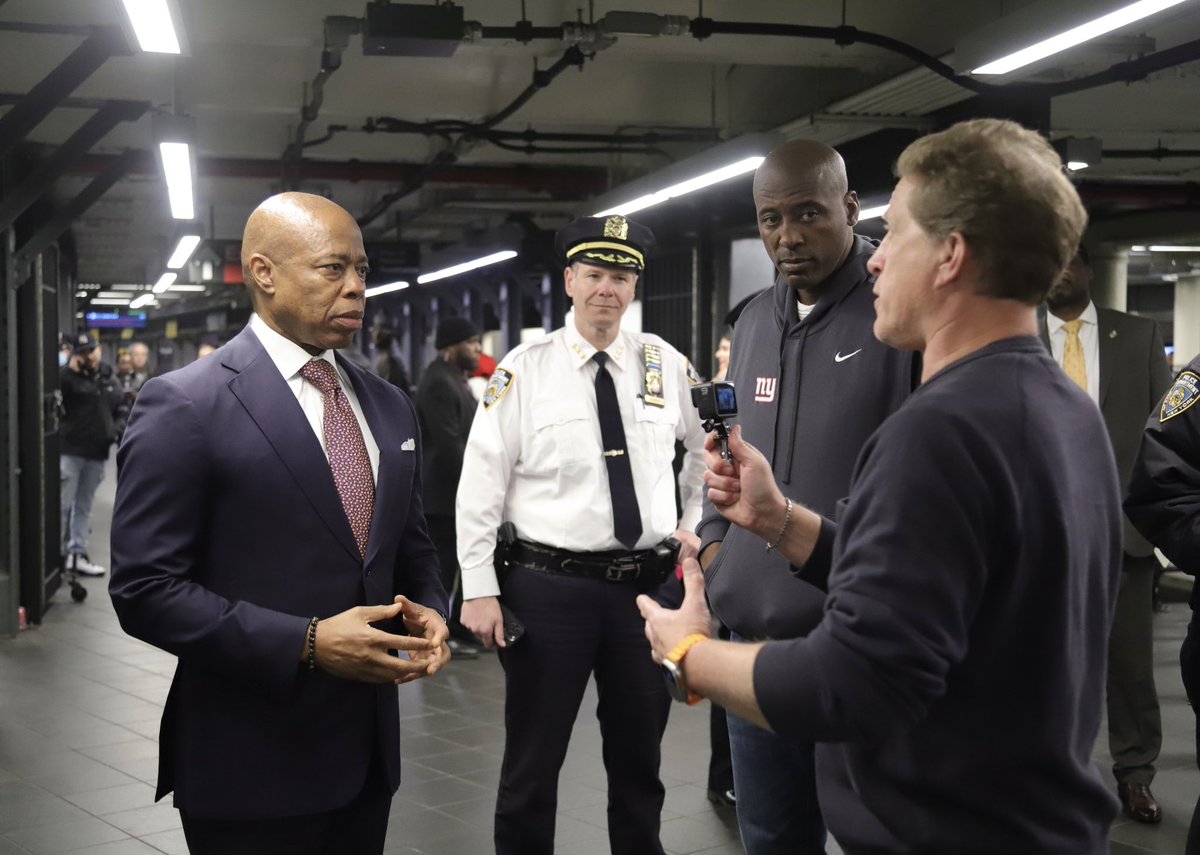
1118	359
268	513
446	408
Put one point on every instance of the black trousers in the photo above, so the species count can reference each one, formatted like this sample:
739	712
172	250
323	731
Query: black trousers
575	628
1134	720
359	828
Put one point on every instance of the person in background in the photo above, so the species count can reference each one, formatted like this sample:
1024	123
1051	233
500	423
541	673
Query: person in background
722	357
446	407
574	445
389	364
954	683
268	532
92	420
1163	502
139	351
1118	359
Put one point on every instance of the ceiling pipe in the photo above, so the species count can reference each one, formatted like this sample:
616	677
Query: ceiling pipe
574	180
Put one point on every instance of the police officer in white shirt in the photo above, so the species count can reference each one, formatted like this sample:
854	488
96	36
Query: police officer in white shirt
573	444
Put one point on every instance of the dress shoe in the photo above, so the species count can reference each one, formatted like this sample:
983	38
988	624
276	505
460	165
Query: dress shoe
1139	802
723	798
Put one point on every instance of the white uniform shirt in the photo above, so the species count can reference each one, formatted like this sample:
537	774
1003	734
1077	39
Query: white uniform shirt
1089	336
534	456
289	358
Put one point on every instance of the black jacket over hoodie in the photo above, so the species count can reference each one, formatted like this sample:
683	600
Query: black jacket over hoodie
809	395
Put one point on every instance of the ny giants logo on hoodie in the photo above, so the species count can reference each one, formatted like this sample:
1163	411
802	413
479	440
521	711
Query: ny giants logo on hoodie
764	389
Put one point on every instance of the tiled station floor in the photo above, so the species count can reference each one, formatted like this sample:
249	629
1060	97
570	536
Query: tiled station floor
80	703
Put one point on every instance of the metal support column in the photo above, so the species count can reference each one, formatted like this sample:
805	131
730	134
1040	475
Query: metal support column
10	534
509	306
27	114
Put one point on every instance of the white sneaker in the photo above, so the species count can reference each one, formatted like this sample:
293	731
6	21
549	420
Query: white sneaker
81	565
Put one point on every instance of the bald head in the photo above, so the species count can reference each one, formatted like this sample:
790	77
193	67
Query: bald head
284	225
305	268
806	160
806	213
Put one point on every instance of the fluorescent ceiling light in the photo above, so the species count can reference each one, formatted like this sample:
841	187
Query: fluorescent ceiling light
116	294
385	289
138	302
1170	248
177	169
445	272
183	251
716	176
110	301
164	282
1076	35
872	213
81	293
196	288
151	20
127	287
1137	249
1076	165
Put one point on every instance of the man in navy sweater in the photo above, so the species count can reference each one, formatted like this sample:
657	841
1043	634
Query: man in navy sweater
955	682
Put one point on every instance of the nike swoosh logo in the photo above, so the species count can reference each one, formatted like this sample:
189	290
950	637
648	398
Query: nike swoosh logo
839	358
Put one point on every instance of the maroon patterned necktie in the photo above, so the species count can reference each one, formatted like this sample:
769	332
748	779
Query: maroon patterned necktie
347	451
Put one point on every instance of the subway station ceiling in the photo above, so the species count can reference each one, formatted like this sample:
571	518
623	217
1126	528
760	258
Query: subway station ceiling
432	150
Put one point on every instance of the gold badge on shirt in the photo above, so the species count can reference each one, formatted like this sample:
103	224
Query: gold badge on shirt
652	389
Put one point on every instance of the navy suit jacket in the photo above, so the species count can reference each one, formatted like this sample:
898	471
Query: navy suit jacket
228	535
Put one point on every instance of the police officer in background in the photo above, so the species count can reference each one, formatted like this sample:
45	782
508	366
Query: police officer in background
573	445
1163	503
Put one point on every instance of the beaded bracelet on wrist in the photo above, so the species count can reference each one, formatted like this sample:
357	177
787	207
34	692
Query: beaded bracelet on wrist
312	644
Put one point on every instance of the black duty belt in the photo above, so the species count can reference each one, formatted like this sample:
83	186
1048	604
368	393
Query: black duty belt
615	566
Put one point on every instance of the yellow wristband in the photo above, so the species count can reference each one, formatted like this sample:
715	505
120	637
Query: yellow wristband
675	657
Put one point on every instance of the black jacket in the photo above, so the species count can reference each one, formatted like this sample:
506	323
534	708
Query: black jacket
446	408
92	416
809	396
1163	499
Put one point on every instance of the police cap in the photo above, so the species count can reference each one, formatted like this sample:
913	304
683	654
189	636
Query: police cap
606	242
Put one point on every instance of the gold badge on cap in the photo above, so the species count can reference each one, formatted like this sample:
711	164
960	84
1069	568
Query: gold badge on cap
616	227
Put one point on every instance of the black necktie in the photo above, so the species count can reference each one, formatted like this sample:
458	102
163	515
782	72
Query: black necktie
627	517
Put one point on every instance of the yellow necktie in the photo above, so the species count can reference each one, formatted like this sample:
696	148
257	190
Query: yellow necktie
1073	361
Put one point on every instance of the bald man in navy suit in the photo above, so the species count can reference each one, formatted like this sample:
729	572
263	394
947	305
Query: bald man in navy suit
268	531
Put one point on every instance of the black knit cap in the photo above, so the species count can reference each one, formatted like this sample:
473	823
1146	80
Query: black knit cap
605	242
454	330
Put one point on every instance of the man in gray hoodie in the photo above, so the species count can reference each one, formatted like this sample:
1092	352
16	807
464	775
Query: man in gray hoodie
813	384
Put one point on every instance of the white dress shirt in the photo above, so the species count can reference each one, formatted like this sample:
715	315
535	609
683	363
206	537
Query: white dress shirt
535	458
289	358
1089	336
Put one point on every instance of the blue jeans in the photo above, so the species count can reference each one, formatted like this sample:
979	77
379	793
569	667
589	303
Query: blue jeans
80	478
776	786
